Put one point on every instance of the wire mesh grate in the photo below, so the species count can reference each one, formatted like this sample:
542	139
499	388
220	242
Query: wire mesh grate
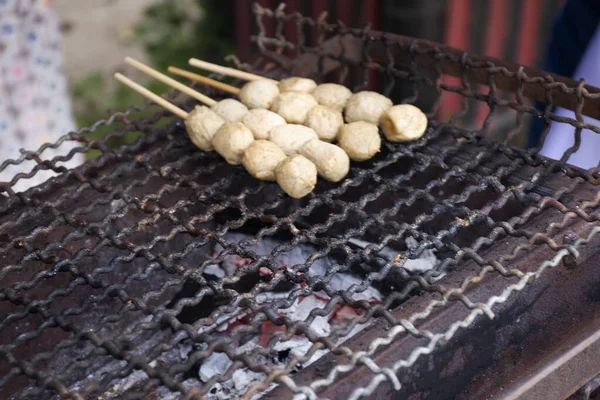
157	271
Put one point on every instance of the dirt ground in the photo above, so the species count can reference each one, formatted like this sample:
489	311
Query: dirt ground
97	33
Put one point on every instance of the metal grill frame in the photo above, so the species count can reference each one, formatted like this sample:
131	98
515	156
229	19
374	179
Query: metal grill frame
172	201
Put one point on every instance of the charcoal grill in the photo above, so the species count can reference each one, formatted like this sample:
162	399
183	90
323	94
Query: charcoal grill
113	277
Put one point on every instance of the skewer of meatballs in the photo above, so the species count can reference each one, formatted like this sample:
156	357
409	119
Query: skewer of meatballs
264	143
360	139
293	155
301	100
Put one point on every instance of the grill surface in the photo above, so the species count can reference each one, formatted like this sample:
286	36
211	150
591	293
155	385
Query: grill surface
115	279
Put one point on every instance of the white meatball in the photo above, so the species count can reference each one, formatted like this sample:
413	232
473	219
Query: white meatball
331	161
261	159
296	84
201	124
231	140
291	137
332	95
366	106
230	110
297	176
261	121
259	93
360	140
403	123
325	121
293	106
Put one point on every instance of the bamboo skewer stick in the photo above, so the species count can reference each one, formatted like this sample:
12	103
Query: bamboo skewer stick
267	94
236	73
171	82
400	123
296	174
203	79
152	96
229	109
294	83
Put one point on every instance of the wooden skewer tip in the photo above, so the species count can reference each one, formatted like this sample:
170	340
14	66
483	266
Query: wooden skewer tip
236	73
151	96
170	81
203	79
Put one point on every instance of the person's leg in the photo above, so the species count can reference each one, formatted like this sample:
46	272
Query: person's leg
573	29
561	136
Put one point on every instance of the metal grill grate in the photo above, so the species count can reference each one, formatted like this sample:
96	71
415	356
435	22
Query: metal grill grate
158	271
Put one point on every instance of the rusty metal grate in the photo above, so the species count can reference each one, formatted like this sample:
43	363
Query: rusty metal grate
157	271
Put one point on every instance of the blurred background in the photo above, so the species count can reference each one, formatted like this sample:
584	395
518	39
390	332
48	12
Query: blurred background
89	40
168	32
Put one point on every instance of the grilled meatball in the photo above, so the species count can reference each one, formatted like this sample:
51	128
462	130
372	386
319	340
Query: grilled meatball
331	161
296	84
360	140
231	140
332	95
261	159
325	121
297	176
366	106
259	93
293	106
261	121
291	137
230	110
403	123
201	124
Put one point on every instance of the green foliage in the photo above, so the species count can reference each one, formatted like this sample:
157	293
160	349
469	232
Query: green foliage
95	96
171	32
174	31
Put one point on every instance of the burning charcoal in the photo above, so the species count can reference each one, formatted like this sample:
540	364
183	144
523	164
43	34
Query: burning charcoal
117	205
300	310
214	270
231	263
243	378
270	296
215	364
298	255
297	346
425	262
185	350
342	282
224	321
344	313
269	329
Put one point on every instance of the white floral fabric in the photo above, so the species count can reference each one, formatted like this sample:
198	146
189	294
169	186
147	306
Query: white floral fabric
34	103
